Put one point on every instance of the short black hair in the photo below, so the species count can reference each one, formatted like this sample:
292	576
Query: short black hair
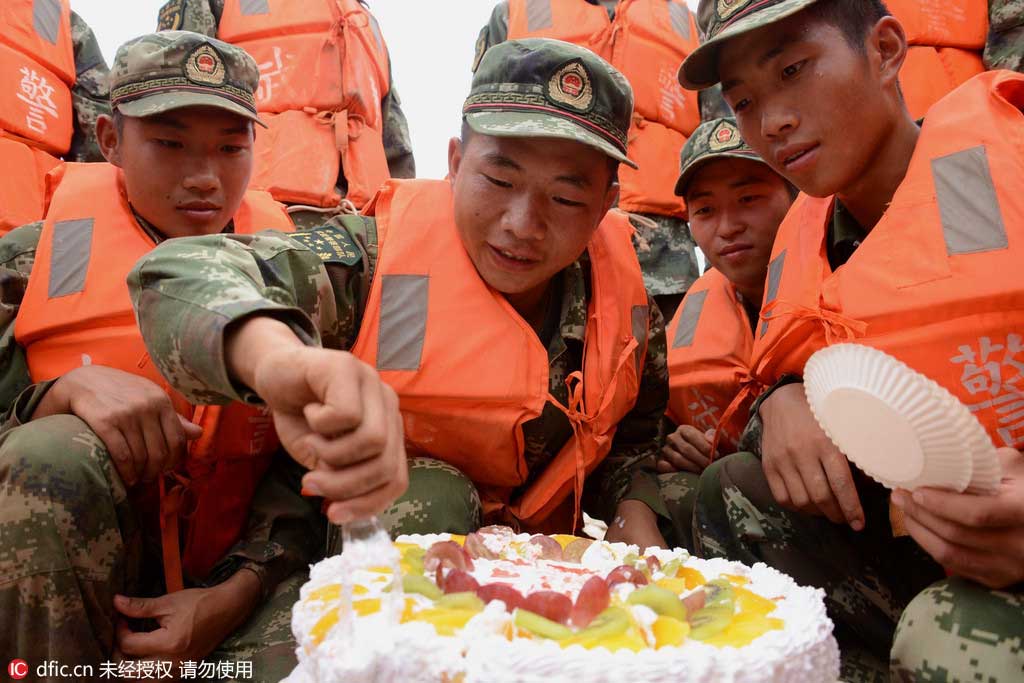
613	164
118	118
854	18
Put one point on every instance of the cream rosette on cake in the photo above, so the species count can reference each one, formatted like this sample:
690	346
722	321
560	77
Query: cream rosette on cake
499	607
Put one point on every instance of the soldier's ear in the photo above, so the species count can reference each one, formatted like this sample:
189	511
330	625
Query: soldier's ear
454	157
108	135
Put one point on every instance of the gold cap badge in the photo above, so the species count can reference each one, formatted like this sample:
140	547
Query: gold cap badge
205	66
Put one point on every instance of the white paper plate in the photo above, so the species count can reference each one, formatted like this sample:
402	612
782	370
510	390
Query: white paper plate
901	428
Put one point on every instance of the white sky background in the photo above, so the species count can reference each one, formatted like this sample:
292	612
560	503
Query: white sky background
431	45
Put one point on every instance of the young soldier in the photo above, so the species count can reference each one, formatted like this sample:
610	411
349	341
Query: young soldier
58	87
505	308
907	242
338	134
734	203
646	40
95	459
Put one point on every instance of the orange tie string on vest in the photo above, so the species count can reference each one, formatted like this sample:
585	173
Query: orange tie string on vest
577	416
837	328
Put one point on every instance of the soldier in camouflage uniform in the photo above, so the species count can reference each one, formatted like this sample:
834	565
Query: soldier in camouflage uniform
793	501
75	533
663	243
317	283
732	198
203	16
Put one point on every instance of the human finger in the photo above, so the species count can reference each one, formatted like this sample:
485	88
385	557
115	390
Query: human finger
158	450
374	502
695	438
366	441
979	512
120	452
989	539
671	460
988	569
697	461
819	490
840	479
341	393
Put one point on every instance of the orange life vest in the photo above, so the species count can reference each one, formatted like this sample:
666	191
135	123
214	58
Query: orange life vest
323	73
709	358
469	371
946	41
937	281
37	70
647	42
77	311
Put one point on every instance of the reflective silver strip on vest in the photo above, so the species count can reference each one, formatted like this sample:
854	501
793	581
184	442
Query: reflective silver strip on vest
971	218
72	247
640	315
46	19
376	33
774	278
680	16
253	7
403	321
693	306
538	15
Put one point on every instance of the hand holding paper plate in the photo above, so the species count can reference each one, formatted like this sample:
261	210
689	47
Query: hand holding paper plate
901	428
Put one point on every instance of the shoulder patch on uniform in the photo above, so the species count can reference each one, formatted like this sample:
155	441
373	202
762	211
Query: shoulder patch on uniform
330	244
170	16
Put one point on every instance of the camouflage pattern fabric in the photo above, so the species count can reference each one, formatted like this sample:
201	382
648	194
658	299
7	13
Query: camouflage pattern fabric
439	499
667	253
869	577
188	291
1004	48
71	537
69	540
90	95
536	87
203	16
266	639
679	491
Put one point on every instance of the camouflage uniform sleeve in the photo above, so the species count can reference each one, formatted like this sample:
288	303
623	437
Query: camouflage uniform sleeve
1004	48
494	32
750	439
628	472
397	142
285	531
18	396
90	94
198	16
187	293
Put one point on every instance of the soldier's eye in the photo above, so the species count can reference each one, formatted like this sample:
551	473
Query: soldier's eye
495	181
740	106
568	202
169	144
793	69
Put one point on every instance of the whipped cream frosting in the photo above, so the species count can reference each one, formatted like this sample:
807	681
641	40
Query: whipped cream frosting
380	649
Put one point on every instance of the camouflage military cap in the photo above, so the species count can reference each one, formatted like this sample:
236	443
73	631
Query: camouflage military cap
160	72
716	139
537	87
720	20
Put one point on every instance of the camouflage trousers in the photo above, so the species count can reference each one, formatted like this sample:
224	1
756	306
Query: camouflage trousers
439	499
71	538
679	492
896	616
